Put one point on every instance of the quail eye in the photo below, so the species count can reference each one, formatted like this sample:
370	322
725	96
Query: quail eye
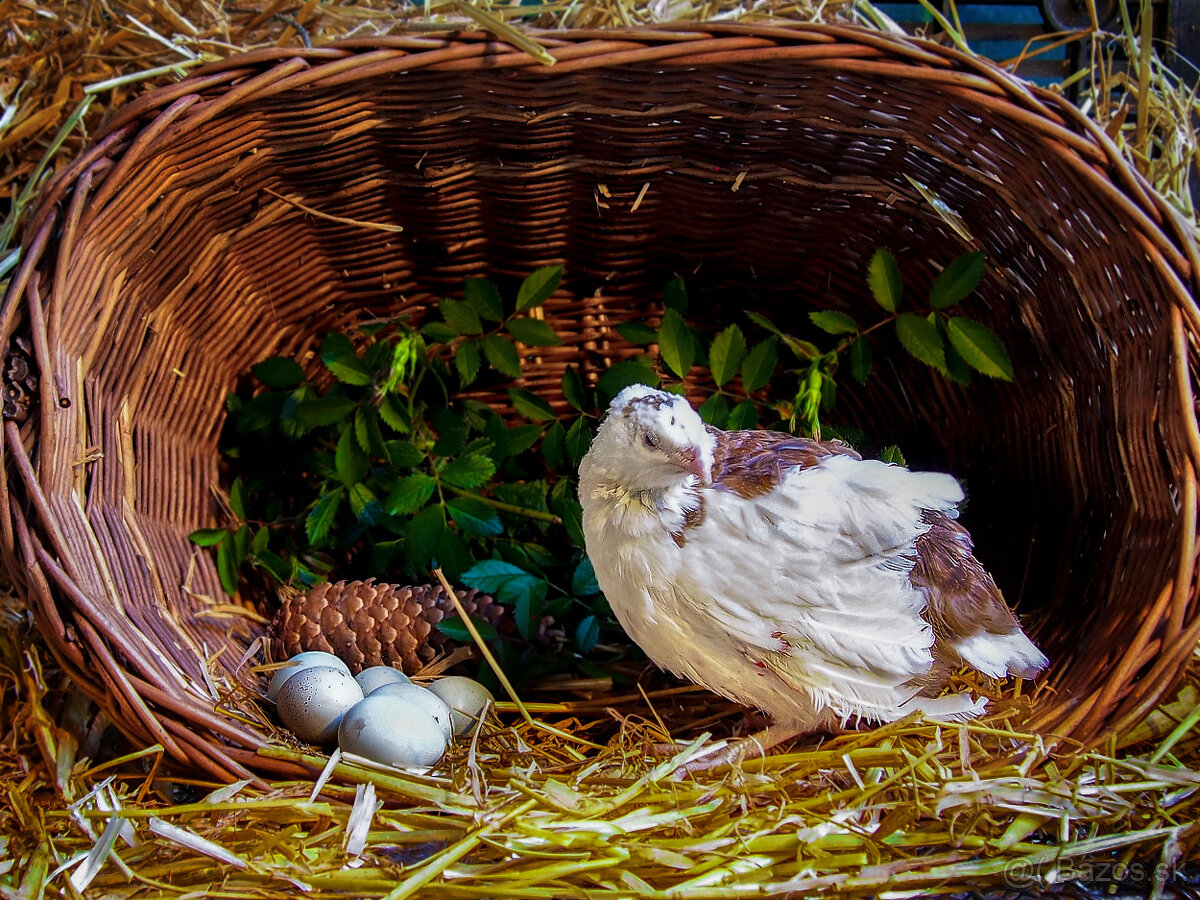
650	441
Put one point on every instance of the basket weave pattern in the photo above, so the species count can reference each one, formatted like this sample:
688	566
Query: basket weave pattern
765	164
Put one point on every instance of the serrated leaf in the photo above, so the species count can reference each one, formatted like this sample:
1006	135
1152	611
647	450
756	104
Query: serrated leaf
525	617
579	438
227	567
439	332
587	636
337	353
208	537
350	461
237	497
403	454
410	494
715	410
554	446
957	369
957	281
504	581
892	455
623	374
860	360
468	361
279	372
459	316
502	355
920	338
573	389
675	344
583	579
262	537
726	354
422	536
637	333
474	516
365	505
742	416
538	287
521	438
530	405
883	277
759	365
562	501
980	347
534	332
367	433
451	432
454	629
481	295
324	410
675	296
469	471
392	411
763	322
259	412
321	517
831	321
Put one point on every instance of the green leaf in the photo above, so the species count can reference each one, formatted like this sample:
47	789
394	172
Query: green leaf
454	629
322	516
554	446
957	369
675	343
451	432
715	410
459	316
366	431
339	357
726	354
587	634
892	455
860	360
526	617
957	281
365	505
980	347
208	537
763	322
474	516
883	277
623	374
573	389
504	581
482	296
538	287
502	355
833	322
237	497
637	333
468	361
439	332
920	338
521	438
759	365
404	454
583	580
259	412
675	296
422	537
530	405
262	537
469	471
279	372
563	502
579	438
534	332
324	410
392	411
227	567
349	459
743	416
410	494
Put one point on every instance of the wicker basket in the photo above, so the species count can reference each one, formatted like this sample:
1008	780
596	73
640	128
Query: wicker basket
765	163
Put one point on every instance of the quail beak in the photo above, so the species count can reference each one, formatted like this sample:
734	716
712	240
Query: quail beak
689	461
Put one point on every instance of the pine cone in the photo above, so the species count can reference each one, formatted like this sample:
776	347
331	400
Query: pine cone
367	624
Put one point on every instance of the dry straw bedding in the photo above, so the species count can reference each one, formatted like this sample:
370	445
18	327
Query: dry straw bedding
523	811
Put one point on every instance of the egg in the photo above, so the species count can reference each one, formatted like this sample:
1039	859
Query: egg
427	700
392	731
466	698
377	676
313	701
300	661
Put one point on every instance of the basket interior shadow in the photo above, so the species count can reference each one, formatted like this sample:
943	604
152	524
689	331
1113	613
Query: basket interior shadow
764	164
